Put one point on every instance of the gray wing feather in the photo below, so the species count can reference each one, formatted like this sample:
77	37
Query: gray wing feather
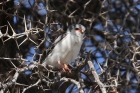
59	38
52	47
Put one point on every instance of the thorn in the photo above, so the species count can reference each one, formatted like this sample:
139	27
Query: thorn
22	42
33	41
25	24
17	44
11	28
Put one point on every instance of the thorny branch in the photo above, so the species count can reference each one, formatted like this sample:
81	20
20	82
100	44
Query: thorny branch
96	76
112	39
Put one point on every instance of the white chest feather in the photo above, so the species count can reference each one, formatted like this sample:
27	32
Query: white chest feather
65	51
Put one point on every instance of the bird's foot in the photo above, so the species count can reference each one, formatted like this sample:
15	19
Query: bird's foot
67	68
64	67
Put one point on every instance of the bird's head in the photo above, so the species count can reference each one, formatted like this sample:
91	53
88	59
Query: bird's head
77	29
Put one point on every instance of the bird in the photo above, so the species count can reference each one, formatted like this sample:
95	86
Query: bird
66	48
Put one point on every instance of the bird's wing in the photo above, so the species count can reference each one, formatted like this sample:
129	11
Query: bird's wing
57	40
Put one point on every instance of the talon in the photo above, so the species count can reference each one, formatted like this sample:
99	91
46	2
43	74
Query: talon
67	68
64	67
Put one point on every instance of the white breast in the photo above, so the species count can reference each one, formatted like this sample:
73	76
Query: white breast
65	51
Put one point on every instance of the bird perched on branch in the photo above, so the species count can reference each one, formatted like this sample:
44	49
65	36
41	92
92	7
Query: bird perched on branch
66	47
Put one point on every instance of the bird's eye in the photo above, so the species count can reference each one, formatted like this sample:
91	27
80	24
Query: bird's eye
77	29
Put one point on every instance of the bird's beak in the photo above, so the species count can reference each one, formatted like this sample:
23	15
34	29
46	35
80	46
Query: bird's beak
80	30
